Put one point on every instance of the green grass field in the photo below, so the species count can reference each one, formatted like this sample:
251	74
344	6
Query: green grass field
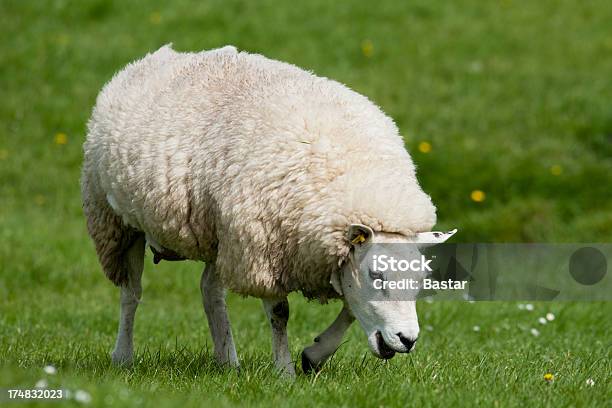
504	105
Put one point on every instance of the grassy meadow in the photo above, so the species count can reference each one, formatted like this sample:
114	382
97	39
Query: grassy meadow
505	106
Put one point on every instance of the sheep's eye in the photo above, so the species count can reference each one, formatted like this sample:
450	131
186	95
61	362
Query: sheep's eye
376	274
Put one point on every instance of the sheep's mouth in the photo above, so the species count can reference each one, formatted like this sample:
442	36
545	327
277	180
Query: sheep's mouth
383	350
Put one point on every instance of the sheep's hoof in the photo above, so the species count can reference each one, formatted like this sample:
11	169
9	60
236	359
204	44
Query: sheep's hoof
309	366
122	360
287	373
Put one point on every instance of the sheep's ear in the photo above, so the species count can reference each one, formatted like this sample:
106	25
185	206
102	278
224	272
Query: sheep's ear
335	282
358	234
427	239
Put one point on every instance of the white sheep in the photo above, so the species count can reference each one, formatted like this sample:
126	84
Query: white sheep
275	177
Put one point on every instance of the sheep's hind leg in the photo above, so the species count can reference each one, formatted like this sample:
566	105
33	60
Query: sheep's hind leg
278	315
327	342
213	298
131	292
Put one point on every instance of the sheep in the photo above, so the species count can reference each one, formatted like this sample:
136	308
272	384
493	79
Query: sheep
276	178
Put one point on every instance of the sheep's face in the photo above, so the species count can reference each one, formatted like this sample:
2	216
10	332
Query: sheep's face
387	315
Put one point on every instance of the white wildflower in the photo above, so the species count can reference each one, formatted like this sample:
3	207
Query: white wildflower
50	370
535	332
82	396
550	317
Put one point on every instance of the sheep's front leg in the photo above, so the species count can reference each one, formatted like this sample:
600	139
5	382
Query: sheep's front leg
213	298
131	293
327	342
278	315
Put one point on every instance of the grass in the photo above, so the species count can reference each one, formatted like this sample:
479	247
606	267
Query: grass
512	96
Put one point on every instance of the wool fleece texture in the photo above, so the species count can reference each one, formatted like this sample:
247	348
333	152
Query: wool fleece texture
250	163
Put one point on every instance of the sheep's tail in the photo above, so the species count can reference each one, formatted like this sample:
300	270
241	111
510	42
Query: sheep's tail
111	236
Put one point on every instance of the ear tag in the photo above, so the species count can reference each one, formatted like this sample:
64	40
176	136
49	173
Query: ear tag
358	239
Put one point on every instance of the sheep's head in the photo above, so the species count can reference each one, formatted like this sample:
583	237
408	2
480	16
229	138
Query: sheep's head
388	318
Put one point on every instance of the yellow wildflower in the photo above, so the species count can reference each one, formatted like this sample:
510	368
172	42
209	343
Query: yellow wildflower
60	138
425	147
549	377
367	48
556	170
478	196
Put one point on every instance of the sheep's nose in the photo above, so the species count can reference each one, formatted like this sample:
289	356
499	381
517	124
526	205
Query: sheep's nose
408	342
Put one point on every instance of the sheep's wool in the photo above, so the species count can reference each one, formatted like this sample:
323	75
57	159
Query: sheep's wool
254	164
